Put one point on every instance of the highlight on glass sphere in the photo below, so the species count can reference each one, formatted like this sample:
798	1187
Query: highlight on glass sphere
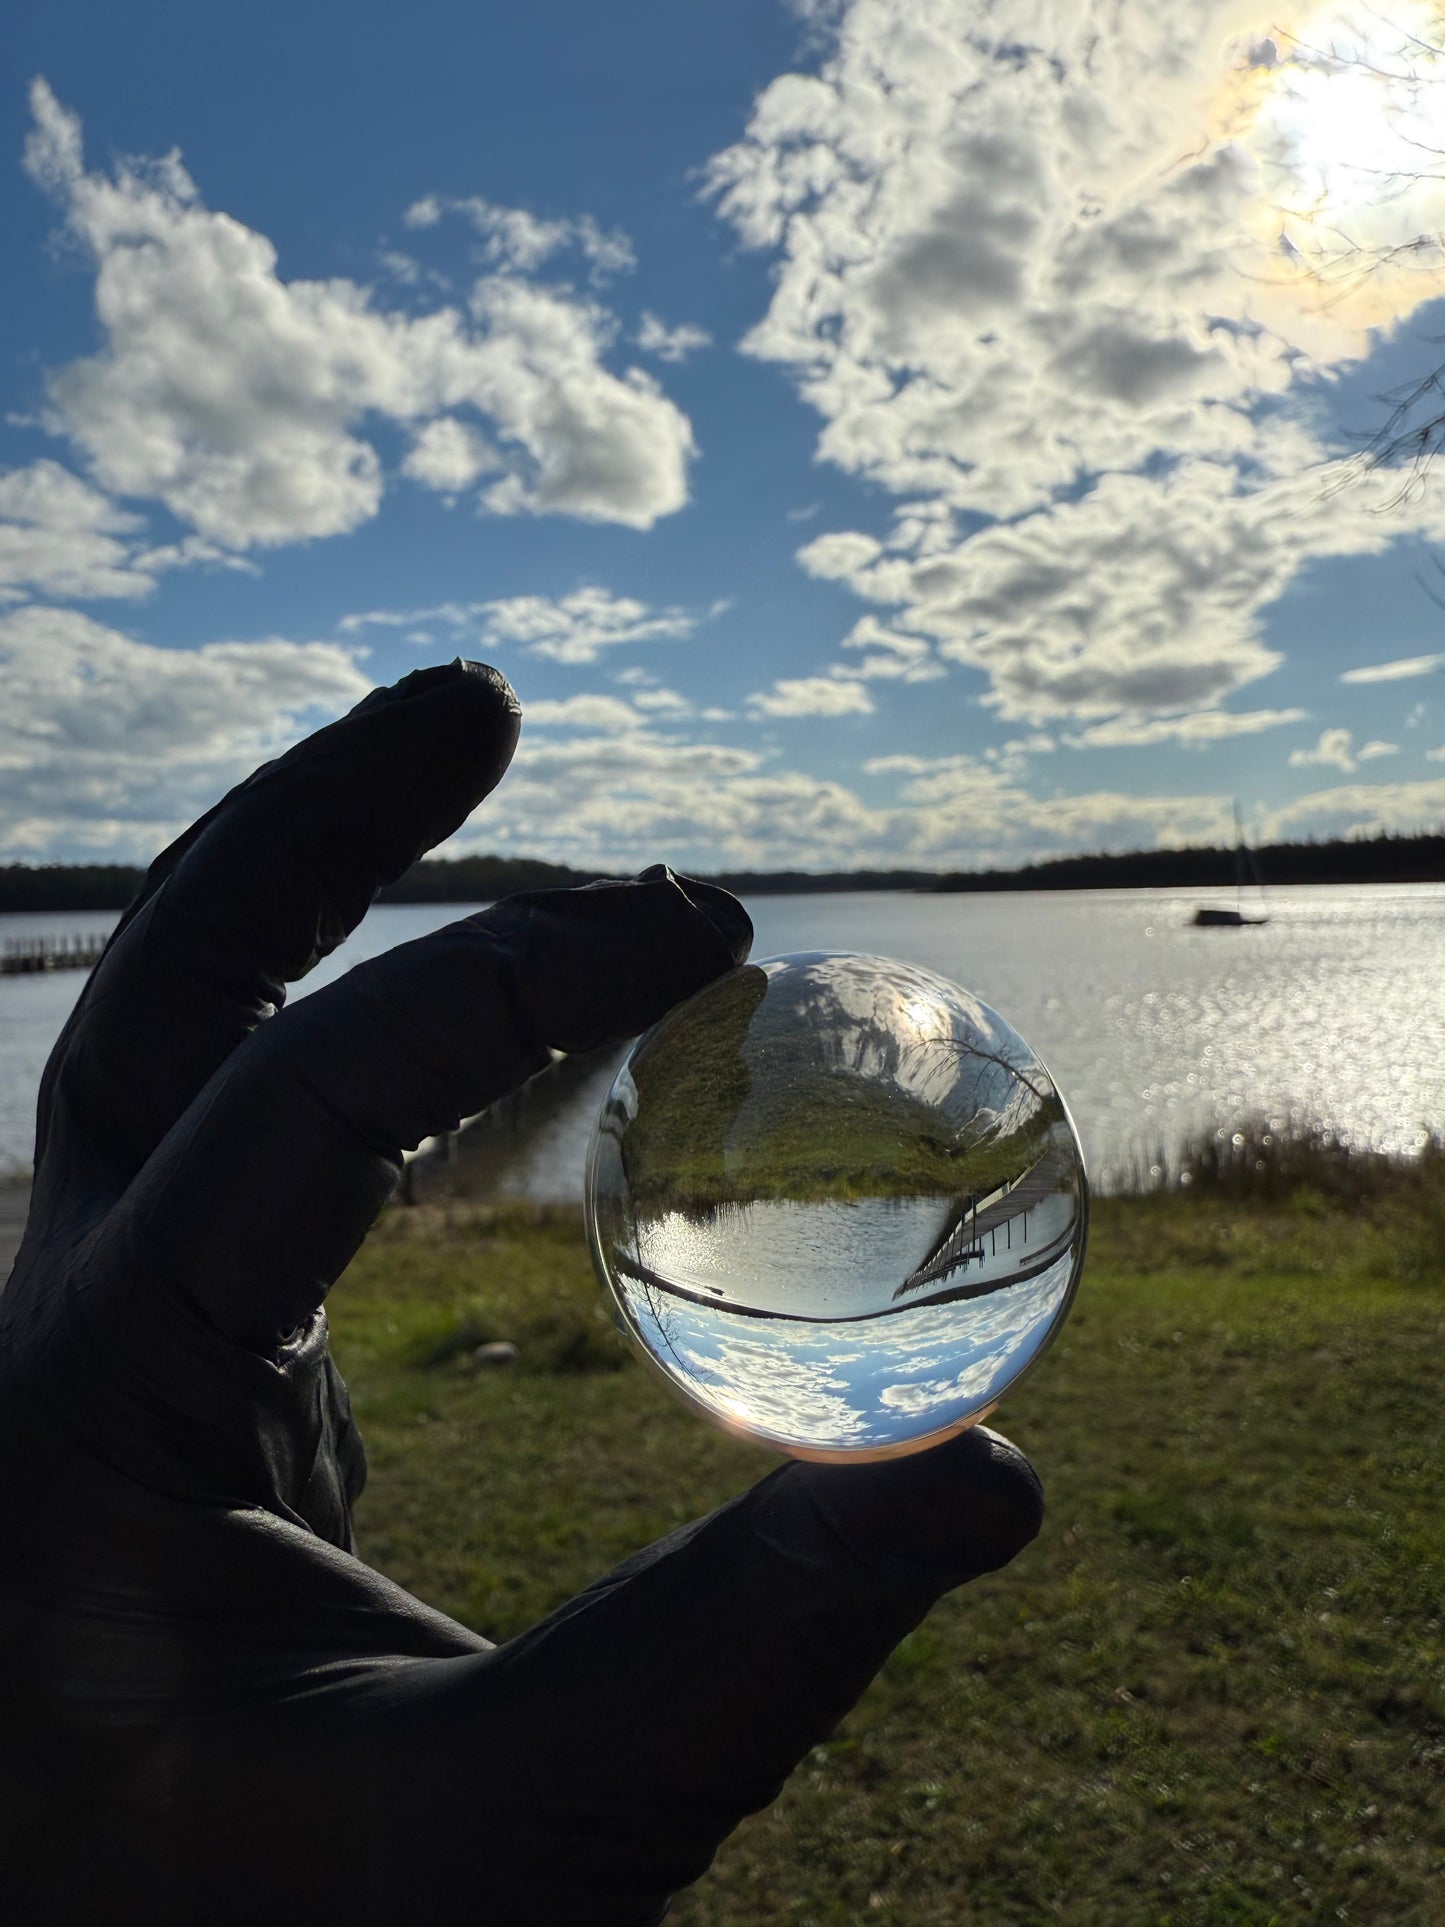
839	1204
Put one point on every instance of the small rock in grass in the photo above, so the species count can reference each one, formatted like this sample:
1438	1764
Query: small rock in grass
501	1351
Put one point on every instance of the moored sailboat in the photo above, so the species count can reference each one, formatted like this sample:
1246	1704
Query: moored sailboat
1222	916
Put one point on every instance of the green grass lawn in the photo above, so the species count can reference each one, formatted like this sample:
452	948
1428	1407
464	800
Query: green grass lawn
1214	1689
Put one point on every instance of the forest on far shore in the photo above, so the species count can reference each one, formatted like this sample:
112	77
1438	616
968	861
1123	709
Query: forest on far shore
483	879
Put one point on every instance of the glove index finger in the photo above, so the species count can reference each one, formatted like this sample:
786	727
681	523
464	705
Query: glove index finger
251	896
610	959
292	859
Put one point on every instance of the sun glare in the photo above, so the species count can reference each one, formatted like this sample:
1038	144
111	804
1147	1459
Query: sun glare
1343	109
1356	116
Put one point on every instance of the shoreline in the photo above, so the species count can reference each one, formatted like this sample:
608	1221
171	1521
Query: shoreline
1391	858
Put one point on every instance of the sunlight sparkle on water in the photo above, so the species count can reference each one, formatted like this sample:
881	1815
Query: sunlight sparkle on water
839	1204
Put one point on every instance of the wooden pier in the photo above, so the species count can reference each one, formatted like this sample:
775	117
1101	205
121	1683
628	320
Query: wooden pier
21	956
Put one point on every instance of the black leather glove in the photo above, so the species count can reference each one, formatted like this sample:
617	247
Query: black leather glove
210	1710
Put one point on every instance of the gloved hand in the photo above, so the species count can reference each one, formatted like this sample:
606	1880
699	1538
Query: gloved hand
210	1709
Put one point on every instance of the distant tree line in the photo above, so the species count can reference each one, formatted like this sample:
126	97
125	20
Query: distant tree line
1376	859
763	883
479	879
68	886
111	886
483	879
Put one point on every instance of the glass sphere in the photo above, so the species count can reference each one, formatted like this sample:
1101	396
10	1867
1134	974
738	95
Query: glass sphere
838	1203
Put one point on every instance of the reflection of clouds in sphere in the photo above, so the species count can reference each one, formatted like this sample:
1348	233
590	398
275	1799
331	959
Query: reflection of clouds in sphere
1014	1324
763	1385
974	1382
839	1203
776	1379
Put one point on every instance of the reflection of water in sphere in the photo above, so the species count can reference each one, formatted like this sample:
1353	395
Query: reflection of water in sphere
839	1204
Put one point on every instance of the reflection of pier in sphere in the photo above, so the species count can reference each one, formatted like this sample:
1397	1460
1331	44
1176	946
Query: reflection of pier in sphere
1046	1190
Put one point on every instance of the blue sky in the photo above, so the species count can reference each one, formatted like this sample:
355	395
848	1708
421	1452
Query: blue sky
904	432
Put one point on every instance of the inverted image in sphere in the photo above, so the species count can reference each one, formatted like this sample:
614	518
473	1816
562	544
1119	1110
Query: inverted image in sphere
839	1204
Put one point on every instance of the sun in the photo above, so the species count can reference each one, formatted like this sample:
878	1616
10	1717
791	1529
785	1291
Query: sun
1354	125
1342	109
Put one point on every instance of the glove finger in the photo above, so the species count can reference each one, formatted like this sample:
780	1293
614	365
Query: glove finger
959	1510
258	1199
254	894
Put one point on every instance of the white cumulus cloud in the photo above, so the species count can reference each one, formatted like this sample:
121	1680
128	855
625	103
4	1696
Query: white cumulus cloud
513	237
60	537
1026	276
448	454
113	745
573	628
888	655
241	401
576	628
1399	670
1359	809
1335	747
812	696
661	702
654	337
609	714
1197	728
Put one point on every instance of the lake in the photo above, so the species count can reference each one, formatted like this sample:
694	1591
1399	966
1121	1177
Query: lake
1333	1011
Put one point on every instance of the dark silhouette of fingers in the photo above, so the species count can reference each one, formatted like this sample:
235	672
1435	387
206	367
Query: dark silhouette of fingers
256	1201
254	894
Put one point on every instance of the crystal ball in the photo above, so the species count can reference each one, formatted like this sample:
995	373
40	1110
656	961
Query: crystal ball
838	1203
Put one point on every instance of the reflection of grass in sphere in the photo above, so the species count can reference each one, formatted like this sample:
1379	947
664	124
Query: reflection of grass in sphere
758	1089
839	1203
